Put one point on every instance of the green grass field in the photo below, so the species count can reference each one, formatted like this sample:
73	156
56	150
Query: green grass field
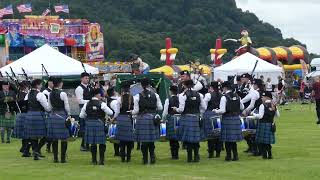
296	156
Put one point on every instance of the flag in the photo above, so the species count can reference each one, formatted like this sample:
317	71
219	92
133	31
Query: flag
24	8
5	11
61	8
46	12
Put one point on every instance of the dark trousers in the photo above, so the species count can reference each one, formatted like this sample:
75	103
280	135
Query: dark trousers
125	150
42	142
35	147
174	147
231	148
102	150
193	148
64	146
318	108
25	147
9	131
214	145
116	149
252	145
148	147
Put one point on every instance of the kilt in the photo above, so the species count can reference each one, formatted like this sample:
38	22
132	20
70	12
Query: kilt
231	129
56	128
190	128
208	126
172	133
18	131
35	125
94	132
124	128
264	134
146	131
7	123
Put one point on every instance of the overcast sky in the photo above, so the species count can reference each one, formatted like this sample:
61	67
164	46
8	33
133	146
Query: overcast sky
296	18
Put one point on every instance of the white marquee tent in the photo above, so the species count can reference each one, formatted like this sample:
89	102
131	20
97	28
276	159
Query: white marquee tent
245	64
56	63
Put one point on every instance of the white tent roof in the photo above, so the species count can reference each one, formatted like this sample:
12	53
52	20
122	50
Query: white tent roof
56	63
315	62
245	64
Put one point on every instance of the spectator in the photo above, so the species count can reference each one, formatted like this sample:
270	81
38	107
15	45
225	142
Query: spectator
316	95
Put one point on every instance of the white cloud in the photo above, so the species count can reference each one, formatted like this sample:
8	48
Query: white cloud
295	18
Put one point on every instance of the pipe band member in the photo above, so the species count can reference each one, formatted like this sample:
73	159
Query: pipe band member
46	92
170	115
146	105
18	131
265	135
191	105
230	108
254	99
184	76
94	113
212	101
8	110
113	104
35	123
56	122
125	123
83	94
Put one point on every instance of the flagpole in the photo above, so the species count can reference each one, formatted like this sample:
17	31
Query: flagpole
50	7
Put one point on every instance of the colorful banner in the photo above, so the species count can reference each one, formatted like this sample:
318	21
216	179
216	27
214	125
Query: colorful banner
14	38
94	43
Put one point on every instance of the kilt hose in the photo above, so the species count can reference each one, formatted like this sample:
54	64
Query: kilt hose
56	128
35	125
231	129
124	128
172	133
94	132
190	128
7	123
264	134
18	130
146	130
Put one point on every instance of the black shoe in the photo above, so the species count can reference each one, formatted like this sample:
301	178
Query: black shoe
94	162
36	158
152	160
236	158
84	149
26	155
189	152
8	142
144	161
128	159
318	122
2	142
227	159
217	155
123	159
196	158
270	157
42	156
210	155
101	162
63	161
55	161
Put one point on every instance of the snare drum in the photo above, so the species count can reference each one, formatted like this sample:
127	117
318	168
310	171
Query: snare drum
250	126
111	133
163	132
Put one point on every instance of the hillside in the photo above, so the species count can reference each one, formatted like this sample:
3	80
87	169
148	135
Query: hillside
140	26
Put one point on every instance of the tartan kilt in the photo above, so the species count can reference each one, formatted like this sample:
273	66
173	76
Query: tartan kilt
172	133
190	128
7	123
124	128
94	132
18	130
56	128
264	134
208	127
35	125
231	129
146	131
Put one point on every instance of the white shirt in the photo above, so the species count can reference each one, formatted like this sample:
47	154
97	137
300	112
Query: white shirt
253	96
64	98
136	100
182	103
42	99
197	80
260	114
46	92
223	104
115	106
269	86
104	107
206	99
79	94
166	107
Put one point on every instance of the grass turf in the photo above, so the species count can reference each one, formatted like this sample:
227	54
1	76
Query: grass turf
296	156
